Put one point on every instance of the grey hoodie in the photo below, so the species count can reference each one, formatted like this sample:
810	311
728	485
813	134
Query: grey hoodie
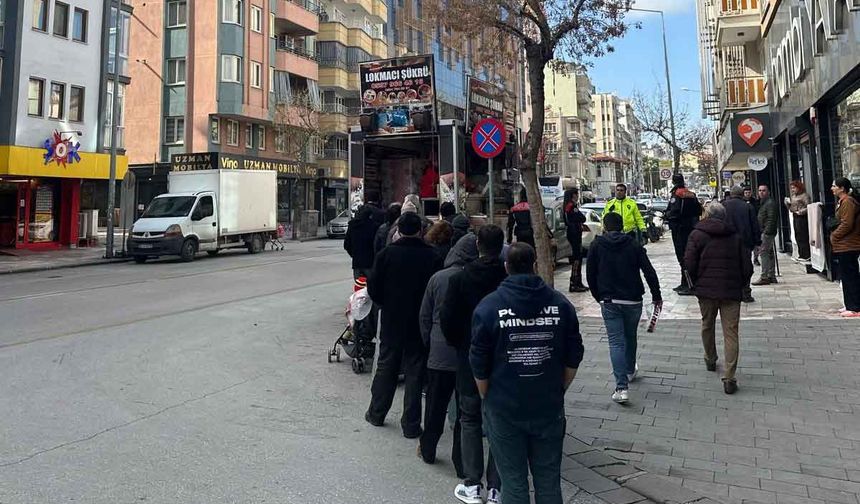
442	357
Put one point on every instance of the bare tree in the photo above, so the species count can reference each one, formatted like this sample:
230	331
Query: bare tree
500	31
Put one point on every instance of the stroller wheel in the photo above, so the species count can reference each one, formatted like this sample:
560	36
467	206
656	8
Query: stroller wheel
337	354
329	357
355	367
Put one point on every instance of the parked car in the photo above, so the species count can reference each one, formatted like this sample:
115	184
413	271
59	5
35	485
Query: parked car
336	228
558	227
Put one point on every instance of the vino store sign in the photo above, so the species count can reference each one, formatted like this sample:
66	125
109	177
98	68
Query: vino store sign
811	29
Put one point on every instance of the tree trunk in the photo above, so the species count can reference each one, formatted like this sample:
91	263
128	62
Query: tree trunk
537	60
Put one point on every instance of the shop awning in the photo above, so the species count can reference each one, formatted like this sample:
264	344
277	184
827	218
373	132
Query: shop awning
30	162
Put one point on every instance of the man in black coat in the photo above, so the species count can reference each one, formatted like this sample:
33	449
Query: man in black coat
742	217
465	290
358	242
682	214
719	266
397	284
574	219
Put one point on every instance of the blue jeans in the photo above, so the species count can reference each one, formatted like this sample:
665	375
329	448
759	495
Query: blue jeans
622	322
523	445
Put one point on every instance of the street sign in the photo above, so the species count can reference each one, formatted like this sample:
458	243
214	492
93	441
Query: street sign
727	175
757	162
665	163
488	138
739	177
665	174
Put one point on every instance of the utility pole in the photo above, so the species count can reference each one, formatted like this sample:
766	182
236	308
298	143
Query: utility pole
109	251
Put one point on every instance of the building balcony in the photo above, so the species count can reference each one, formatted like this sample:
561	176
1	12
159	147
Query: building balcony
296	60
380	48
744	92
738	22
348	36
335	154
337	74
380	11
297	17
335	168
583	95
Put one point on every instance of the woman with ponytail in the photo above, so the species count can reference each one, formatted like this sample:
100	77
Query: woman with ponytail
845	239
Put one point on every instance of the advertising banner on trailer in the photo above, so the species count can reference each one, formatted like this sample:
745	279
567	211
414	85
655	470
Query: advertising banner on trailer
399	95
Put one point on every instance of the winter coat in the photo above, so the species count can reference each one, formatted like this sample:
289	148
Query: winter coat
440	252
524	335
629	212
519	220
798	203
742	217
767	217
461	227
846	236
574	219
684	209
465	290
380	239
397	284
442	356
358	243
717	261
614	263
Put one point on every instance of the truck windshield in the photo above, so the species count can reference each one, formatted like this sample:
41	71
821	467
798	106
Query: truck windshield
171	206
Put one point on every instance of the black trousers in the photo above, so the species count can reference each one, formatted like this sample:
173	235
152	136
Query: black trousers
440	388
850	277
680	236
801	235
472	430
394	350
525	236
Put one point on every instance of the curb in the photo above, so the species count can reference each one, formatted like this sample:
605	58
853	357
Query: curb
49	267
617	481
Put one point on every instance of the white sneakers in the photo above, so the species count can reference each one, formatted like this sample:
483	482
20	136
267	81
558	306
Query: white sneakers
493	496
621	396
632	376
468	494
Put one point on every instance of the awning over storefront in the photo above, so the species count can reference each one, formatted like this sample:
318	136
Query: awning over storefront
30	162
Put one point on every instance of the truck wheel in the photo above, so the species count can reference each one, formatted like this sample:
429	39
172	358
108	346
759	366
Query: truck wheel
255	246
188	250
140	259
213	253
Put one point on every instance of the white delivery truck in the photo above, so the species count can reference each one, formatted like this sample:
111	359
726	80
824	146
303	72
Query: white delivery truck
208	210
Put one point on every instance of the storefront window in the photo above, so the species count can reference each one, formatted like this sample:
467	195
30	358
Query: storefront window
44	213
846	126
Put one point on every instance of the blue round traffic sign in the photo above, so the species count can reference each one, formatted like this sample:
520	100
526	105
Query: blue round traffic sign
488	138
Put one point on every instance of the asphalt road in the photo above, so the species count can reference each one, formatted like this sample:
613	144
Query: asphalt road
203	382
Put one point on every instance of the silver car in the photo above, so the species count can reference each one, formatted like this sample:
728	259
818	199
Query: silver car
555	220
336	228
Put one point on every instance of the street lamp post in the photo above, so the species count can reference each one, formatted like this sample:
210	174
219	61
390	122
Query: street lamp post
668	85
114	121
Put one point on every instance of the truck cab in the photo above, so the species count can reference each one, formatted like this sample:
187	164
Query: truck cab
174	220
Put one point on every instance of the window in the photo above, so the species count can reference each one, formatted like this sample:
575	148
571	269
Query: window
249	136
61	19
125	24
177	14
80	25
176	71
256	19
261	137
232	11
280	141
272	25
174	130
120	123
40	15
256	75
205	208
215	130
231	68
271	79
57	109
76	104
35	97
232	132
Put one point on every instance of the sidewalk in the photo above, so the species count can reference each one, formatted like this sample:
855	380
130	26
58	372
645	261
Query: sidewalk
788	436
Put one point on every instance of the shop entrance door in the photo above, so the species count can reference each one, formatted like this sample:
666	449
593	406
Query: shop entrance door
8	214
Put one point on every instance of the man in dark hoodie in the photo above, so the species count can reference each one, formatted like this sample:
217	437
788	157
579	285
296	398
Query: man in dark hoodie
461	227
720	269
614	263
526	348
397	284
392	213
682	214
465	290
448	211
358	242
741	216
442	358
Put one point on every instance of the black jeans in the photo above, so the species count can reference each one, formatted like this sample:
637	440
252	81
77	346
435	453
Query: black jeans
680	236
472	430
850	277
408	349
525	236
440	387
528	445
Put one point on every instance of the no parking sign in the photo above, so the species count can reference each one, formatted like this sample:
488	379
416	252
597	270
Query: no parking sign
488	138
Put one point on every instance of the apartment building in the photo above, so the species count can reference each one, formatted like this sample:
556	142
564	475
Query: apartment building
617	142
57	69
228	80
569	125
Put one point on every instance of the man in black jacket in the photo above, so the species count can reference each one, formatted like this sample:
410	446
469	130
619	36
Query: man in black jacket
358	242
682	214
526	348
768	220
465	290
742	217
574	219
520	221
397	284
614	263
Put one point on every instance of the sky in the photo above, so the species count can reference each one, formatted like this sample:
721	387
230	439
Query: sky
637	63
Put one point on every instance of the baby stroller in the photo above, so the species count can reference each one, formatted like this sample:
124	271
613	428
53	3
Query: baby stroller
356	340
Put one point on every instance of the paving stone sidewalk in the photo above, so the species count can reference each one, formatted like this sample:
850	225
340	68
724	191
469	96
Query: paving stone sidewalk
789	436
